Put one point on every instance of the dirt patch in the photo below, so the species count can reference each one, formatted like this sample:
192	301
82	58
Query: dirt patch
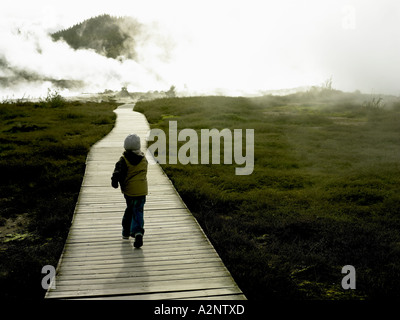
13	229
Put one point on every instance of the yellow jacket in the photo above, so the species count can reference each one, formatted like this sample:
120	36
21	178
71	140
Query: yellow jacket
131	173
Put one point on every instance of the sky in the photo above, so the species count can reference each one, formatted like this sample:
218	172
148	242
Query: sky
230	47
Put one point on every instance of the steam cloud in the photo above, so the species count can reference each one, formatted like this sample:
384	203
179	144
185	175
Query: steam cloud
232	47
31	62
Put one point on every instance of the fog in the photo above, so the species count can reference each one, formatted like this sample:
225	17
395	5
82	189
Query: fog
206	47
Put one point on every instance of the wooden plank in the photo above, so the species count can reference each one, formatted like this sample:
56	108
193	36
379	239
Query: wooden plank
148	287
207	268
110	272
167	242
163	236
163	246
177	260
97	263
151	248
86	222
136	263
195	294
155	231
73	285
101	255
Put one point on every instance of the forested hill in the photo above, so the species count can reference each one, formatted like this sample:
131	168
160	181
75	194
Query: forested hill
107	35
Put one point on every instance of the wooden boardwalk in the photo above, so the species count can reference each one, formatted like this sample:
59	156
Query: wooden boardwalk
176	261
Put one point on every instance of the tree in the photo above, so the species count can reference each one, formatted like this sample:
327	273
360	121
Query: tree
328	84
171	92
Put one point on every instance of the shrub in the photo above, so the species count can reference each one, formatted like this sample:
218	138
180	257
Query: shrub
53	99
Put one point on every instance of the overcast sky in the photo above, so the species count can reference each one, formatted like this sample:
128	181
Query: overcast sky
229	46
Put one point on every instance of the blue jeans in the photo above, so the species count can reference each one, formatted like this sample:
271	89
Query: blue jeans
132	221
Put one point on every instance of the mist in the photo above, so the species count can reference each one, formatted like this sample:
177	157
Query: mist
208	47
31	62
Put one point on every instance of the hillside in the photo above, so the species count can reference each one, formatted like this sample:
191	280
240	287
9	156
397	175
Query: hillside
109	36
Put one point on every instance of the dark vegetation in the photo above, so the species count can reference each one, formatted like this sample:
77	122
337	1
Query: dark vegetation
324	193
109	36
43	148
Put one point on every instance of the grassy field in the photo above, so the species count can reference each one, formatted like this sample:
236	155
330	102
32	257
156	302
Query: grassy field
43	148
324	193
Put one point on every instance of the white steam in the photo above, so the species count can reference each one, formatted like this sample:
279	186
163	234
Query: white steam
31	62
233	47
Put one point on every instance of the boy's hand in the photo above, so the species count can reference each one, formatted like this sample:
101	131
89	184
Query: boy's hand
114	183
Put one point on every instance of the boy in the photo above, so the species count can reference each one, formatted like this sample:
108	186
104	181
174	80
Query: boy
131	174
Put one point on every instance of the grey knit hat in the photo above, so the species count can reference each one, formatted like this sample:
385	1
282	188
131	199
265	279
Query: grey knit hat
132	142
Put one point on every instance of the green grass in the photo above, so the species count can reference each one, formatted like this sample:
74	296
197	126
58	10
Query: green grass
324	193
43	148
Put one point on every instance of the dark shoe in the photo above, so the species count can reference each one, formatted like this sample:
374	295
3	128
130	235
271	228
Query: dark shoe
138	240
